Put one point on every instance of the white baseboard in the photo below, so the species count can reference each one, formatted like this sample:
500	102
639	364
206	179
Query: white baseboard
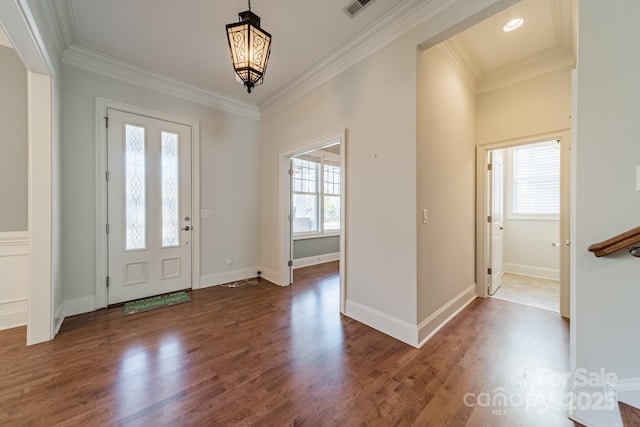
432	324
13	314
595	406
271	276
596	418
58	318
530	270
383	322
628	391
315	260
228	276
76	306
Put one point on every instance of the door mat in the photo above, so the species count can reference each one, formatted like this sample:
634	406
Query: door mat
147	304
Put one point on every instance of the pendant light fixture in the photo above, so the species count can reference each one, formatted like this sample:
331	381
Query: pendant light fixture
250	46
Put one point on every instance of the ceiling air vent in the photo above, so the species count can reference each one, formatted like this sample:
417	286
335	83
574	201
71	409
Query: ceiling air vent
353	8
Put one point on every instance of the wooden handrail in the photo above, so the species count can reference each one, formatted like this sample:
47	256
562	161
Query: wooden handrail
616	243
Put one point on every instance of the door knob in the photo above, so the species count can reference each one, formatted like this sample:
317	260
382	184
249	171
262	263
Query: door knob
567	242
187	228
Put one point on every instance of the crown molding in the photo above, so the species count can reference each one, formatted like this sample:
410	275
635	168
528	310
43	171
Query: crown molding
460	53
4	40
61	19
451	55
395	23
86	59
61	23
524	70
518	72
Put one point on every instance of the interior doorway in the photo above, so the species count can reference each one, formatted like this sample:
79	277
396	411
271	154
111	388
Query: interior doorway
523	209
313	207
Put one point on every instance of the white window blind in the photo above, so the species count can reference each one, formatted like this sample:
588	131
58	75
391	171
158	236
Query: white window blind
536	179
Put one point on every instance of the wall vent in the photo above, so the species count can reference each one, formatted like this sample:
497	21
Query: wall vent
353	8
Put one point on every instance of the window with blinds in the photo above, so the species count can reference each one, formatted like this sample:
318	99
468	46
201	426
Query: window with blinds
535	180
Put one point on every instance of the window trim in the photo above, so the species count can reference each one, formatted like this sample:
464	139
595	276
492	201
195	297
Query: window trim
321	156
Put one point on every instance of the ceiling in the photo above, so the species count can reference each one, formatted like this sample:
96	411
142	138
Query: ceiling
186	39
183	44
491	58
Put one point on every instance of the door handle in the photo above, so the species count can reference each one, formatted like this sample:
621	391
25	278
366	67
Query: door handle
187	228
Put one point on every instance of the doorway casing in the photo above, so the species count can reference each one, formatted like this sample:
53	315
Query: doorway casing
19	24
285	205
102	105
482	158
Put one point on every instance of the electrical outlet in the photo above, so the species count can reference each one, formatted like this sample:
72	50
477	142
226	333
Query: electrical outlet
229	260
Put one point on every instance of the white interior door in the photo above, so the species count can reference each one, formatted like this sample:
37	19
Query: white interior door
496	224
149	206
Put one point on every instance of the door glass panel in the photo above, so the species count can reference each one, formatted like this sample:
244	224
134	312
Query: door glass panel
135	187
170	192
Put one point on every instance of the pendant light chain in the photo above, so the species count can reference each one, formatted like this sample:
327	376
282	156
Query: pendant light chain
249	1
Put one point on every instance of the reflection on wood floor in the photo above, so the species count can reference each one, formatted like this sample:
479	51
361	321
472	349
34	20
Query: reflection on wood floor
532	291
273	356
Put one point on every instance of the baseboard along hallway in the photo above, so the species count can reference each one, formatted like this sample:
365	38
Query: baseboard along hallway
266	355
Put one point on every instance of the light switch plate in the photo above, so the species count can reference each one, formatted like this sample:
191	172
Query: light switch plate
425	216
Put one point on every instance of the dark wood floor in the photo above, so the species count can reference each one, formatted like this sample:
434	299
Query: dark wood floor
271	356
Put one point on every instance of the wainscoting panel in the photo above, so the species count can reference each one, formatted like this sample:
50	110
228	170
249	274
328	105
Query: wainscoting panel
14	279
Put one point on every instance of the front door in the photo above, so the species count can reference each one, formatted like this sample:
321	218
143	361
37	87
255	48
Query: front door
496	224
149	206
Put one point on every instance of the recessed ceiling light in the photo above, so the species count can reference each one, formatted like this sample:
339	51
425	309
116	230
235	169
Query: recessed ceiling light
514	24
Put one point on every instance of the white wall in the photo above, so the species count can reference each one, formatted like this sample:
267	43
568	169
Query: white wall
375	100
13	142
528	248
605	291
445	186
228	182
535	106
520	113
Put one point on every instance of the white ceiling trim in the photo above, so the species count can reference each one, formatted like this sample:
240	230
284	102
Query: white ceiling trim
389	27
460	66
62	24
20	26
4	40
529	68
464	58
525	70
90	60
